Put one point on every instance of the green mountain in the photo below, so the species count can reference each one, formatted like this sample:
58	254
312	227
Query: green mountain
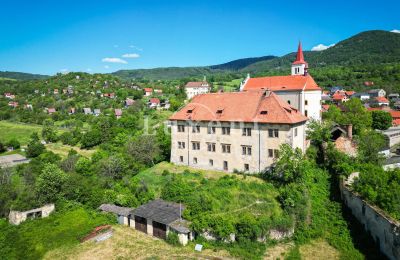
370	47
189	72
21	75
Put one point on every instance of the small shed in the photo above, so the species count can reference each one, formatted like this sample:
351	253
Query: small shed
122	213
159	217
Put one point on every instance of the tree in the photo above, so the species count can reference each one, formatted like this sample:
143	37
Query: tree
67	138
381	120
370	144
35	147
288	165
333	114
113	167
2	148
144	149
357	115
14	143
49	133
91	138
49	184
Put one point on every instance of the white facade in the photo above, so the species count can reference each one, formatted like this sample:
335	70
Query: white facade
254	152
193	91
299	69
307	102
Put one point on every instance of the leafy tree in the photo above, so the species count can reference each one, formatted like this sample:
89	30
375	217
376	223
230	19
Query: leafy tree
49	184
83	166
145	149
67	138
35	147
357	115
288	164
49	132
91	138
2	147
14	143
113	167
333	114
370	144
381	120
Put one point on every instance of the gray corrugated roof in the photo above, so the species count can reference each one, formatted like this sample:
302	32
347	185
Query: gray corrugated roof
123	211
160	211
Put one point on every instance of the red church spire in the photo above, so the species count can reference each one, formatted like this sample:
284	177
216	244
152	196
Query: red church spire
300	56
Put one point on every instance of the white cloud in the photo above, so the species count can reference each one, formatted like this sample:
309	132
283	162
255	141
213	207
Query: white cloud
114	60
131	55
135	47
321	47
64	71
106	66
395	31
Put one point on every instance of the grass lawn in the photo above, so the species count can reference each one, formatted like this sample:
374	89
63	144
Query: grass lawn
228	86
19	131
127	243
245	194
62	149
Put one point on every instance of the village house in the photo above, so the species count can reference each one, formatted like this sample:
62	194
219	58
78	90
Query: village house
51	110
13	104
393	96
55	91
9	95
380	101
154	103
129	102
194	88
148	92
72	111
339	97
235	130
373	93
158	91
28	106
87	111
109	95
362	96
298	89
118	113
96	111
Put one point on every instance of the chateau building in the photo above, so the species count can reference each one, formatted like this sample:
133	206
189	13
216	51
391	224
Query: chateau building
298	89
236	130
194	88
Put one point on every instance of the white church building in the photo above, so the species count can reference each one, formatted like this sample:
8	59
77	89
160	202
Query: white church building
298	89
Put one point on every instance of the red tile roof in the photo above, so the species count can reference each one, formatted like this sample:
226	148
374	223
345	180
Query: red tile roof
148	90
338	96
395	114
350	92
118	112
196	84
299	56
154	101
282	83
325	108
247	106
396	122
382	100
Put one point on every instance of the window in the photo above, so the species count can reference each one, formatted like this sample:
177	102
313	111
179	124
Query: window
246	150
196	129
306	102
246	167
273	132
263	112
306	113
270	153
225	165
211	162
211	147
196	145
226	130
181	158
194	160
211	130
226	148
295	132
276	153
288	102
246	131
181	145
181	128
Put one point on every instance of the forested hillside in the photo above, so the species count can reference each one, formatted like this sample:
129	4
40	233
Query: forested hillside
21	75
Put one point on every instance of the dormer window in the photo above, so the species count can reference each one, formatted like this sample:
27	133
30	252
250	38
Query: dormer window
263	112
189	111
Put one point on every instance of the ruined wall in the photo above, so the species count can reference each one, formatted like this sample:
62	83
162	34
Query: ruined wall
384	230
16	217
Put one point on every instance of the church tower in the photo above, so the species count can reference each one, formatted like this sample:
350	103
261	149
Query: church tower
299	66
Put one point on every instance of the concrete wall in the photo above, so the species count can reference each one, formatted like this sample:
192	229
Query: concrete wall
17	217
384	230
149	227
259	141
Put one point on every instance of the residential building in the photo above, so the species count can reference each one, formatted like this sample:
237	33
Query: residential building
339	97
129	102
87	111
373	93
148	92
154	102
96	111
380	101
298	89
118	113
235	130
51	110
362	96
194	88
13	104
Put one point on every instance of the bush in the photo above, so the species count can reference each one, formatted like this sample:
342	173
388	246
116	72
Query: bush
172	238
14	143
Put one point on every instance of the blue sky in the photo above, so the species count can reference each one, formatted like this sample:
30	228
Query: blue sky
51	36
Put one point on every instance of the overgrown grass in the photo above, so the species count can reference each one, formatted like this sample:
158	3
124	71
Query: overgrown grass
33	238
19	131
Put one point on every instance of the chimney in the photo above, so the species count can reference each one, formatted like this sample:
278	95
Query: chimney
267	92
350	131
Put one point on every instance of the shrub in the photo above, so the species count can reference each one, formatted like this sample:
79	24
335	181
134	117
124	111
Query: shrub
172	238
14	143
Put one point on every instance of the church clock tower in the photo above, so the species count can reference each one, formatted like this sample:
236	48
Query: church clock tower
299	66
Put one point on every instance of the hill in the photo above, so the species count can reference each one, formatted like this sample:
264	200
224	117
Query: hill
241	63
21	75
370	47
